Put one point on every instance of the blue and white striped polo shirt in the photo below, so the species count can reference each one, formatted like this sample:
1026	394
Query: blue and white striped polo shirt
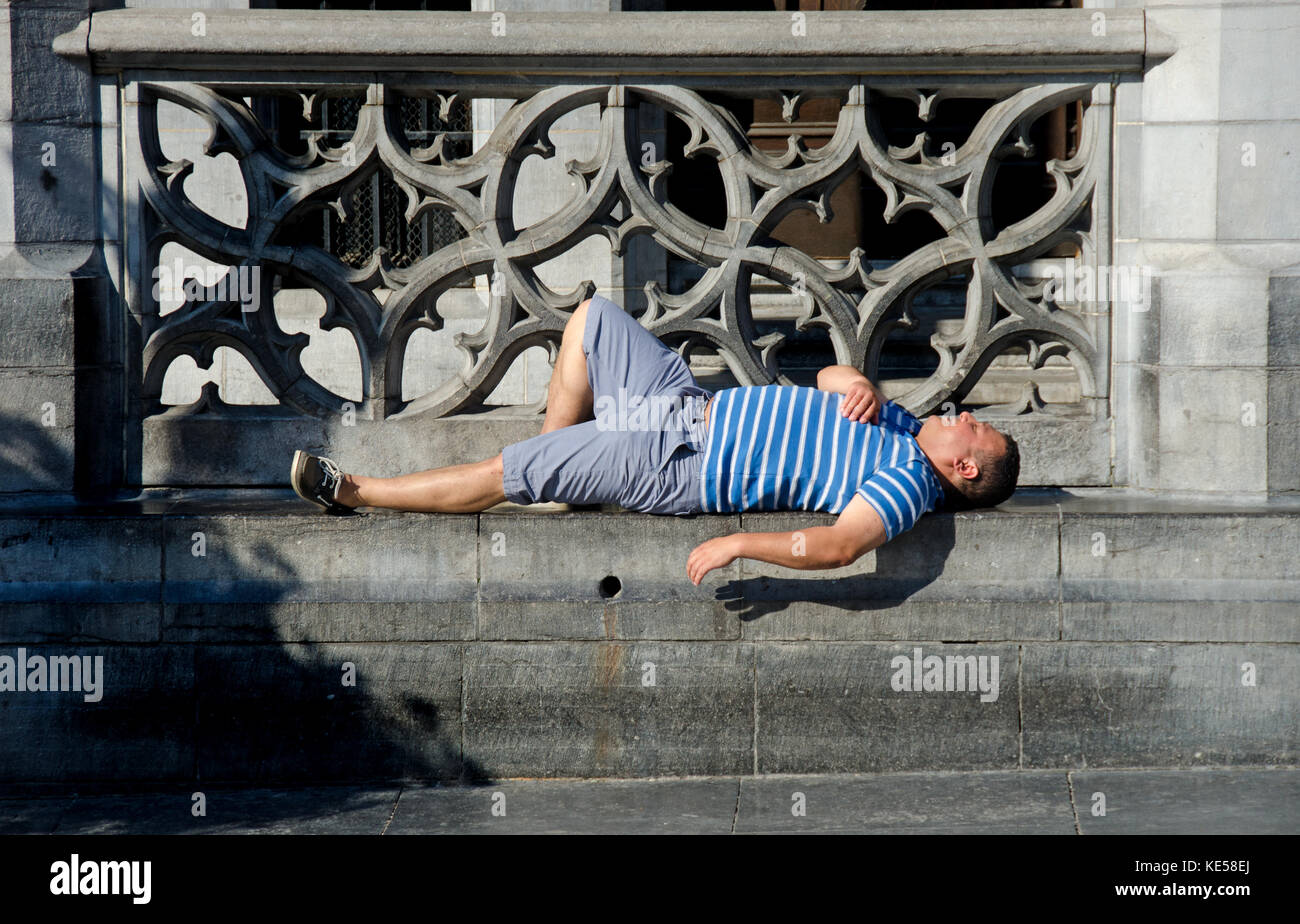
784	447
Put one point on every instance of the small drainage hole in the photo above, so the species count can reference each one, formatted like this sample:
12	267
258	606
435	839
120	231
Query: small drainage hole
610	586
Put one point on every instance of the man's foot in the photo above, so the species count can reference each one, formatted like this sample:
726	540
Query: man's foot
317	479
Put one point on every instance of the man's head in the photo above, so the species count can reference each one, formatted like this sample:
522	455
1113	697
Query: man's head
977	464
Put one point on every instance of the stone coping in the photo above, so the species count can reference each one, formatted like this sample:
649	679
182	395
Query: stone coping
993	42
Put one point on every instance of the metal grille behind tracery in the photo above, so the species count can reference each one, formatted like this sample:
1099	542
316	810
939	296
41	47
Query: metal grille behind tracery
375	212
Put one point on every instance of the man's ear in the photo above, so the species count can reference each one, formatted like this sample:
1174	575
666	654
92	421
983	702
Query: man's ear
966	467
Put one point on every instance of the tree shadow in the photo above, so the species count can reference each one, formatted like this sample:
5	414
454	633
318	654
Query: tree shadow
214	675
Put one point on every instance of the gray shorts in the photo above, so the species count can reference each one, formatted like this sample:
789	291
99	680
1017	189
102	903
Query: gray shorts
642	452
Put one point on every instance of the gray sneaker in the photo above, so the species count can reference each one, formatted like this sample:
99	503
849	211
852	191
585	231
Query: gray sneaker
317	479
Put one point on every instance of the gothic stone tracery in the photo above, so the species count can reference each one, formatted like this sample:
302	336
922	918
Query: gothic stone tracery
621	195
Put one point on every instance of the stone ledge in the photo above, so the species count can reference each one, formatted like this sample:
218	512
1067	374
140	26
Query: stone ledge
243	566
1002	42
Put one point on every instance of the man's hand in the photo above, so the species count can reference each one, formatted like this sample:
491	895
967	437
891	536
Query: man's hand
862	399
862	402
716	553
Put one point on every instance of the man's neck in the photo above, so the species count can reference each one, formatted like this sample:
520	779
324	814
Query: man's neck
927	447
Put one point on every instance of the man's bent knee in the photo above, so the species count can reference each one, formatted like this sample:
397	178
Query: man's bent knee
578	322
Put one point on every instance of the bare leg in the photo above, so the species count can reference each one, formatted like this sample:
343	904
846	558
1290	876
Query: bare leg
568	398
452	489
478	485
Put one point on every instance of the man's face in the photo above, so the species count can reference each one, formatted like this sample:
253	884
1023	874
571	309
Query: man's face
955	442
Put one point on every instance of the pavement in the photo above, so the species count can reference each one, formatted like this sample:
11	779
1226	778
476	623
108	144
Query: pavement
1200	801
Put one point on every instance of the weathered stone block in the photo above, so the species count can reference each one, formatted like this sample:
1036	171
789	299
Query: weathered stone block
36	317
1179	163
258	452
977	575
141	728
1185	87
1194	312
79	578
1159	705
45	86
272	558
1137	433
1259	167
289	712
832	708
1179	577
1213	431
1283	430
1068	451
38	417
55	183
1256	61
1129	168
1284	317
587	709
628	582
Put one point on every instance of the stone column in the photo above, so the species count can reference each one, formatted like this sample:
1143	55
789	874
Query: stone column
1208	197
58	371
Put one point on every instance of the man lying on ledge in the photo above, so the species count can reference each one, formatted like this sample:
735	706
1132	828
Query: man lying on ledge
839	447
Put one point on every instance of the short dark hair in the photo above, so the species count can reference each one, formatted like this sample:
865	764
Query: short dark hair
995	482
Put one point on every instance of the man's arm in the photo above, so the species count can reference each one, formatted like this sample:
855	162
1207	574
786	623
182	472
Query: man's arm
862	399
857	531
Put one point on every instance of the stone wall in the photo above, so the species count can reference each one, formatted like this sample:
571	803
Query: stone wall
1207	190
1203	391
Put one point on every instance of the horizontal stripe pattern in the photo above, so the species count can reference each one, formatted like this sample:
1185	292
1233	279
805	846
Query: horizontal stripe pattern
786	447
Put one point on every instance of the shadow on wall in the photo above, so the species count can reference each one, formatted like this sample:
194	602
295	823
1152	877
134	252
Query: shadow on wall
903	567
36	450
216	677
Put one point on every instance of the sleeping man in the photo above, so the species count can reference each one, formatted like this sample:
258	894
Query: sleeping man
627	424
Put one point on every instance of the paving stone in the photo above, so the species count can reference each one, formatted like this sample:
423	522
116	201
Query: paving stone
314	810
907	803
1192	802
704	806
32	816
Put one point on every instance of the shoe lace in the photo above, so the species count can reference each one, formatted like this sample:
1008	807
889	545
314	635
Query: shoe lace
332	477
